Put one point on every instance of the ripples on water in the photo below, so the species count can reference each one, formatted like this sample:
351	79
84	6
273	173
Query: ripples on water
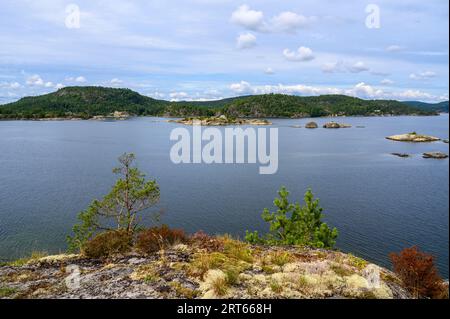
380	203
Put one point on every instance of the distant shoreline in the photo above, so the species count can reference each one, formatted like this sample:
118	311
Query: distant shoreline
61	119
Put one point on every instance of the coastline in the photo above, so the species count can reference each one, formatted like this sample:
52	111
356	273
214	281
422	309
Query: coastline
61	119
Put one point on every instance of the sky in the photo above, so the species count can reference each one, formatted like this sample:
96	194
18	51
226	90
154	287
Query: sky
211	49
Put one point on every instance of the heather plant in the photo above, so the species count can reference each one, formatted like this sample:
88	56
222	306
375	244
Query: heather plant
292	224
418	273
205	241
108	244
156	238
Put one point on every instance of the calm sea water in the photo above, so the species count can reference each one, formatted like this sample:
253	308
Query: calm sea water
49	171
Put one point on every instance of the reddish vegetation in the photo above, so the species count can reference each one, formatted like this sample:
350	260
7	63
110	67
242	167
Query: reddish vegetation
418	273
205	241
107	244
155	238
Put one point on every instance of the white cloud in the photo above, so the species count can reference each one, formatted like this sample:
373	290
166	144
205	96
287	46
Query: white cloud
246	41
394	48
414	95
10	85
241	87
422	75
358	67
364	90
35	80
289	22
269	71
178	96
386	82
157	95
302	54
247	18
332	67
361	90
80	79
116	81
286	22
380	73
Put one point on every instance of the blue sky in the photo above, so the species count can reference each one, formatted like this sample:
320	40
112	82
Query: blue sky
210	49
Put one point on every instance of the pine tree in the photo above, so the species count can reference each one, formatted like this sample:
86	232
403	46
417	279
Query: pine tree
131	195
292	224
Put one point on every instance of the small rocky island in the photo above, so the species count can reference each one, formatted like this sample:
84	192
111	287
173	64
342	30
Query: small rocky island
436	155
336	125
404	155
221	120
413	137
311	125
117	115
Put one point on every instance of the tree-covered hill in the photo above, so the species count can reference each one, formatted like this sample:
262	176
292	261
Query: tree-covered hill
82	102
86	102
438	107
278	105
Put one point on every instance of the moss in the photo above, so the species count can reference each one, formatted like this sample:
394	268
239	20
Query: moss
22	276
366	294
180	266
280	258
35	256
321	255
390	278
7	291
238	250
276	286
151	278
268	269
302	282
341	270
147	272
202	262
357	262
183	292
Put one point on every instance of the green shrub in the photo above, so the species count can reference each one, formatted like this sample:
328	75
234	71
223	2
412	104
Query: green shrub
108	244
292	224
156	238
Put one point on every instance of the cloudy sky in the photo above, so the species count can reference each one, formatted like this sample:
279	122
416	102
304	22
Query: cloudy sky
210	49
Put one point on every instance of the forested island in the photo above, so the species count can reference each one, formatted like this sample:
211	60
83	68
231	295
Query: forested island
89	102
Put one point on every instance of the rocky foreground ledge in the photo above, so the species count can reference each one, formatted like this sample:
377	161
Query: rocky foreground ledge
203	271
